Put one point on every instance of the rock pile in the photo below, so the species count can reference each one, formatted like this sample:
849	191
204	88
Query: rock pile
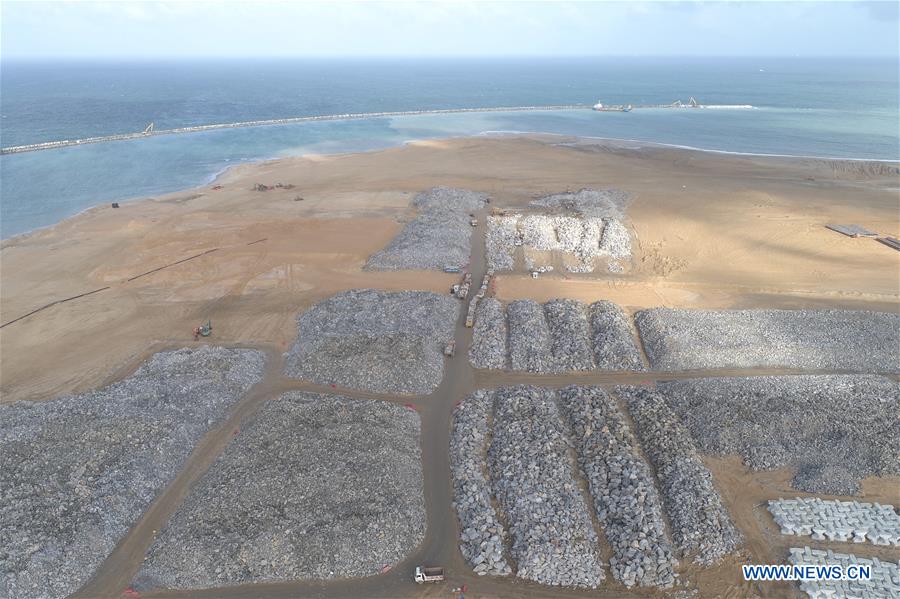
613	338
488	348
837	520
500	242
801	339
570	346
529	337
621	484
553	539
700	523
77	472
481	533
314	487
600	203
379	341
595	230
884	584
556	338
438	236
834	429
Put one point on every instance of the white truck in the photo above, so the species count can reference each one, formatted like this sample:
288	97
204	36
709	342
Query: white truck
424	574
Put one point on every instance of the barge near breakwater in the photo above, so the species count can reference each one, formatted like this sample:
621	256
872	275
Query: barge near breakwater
150	131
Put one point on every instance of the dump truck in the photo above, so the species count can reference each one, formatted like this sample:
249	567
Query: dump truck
473	222
424	574
450	349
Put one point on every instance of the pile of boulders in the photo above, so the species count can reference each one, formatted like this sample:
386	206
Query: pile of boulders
800	339
440	234
570	345
700	523
601	203
560	336
488	348
529	337
833	429
76	473
883	584
500	242
621	484
379	341
482	535
553	539
595	230
613	338
837	520
314	487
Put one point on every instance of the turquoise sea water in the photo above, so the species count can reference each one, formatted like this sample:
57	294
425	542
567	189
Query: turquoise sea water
810	107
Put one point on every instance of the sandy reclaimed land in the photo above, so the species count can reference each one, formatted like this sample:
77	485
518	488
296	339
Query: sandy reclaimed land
713	231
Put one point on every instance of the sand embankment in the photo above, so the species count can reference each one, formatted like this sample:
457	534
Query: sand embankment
712	231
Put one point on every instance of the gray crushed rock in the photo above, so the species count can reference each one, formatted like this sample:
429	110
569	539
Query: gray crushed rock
570	345
801	339
481	533
613	338
834	429
595	231
529	337
557	337
700	523
489	336
438	236
553	539
500	242
77	472
377	341
621	484
601	203
314	487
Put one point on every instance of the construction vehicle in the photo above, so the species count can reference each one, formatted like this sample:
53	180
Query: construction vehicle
474	222
425	574
450	348
204	330
451	269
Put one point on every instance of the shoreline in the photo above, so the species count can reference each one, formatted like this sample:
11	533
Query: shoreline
221	173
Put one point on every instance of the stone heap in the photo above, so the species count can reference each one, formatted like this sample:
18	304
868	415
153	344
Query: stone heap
489	337
575	227
563	335
553	539
700	523
570	345
529	337
884	584
314	487
76	473
500	242
440	234
372	340
481	533
613	338
799	339
621	484
837	520
833	429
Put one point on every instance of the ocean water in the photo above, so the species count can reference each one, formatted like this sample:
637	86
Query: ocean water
838	108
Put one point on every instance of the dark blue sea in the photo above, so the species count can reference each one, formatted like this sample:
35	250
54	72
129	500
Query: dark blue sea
840	108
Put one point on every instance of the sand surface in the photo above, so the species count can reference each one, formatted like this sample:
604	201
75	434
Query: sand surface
713	231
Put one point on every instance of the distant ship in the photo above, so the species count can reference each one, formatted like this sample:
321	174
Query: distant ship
600	107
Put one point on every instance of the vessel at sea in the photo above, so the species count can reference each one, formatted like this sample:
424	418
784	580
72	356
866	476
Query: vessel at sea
600	107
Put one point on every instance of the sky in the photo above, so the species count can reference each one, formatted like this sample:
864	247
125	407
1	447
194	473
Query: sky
122	30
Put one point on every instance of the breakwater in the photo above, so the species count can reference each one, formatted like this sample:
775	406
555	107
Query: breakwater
51	145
